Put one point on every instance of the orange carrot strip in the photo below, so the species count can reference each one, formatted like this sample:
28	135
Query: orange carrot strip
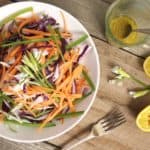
38	88
36	32
51	116
40	44
16	62
64	68
27	107
72	108
2	117
2	76
42	59
12	70
12	53
74	96
3	72
26	21
64	83
66	35
77	72
33	37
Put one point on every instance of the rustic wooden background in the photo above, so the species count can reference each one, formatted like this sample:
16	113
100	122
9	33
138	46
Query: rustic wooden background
127	137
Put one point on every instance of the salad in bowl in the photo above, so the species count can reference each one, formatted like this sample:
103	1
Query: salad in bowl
42	77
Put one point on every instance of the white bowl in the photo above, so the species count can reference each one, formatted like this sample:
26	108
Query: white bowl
91	60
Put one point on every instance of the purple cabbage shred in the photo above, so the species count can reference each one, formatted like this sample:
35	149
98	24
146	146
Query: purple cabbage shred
63	45
83	52
6	106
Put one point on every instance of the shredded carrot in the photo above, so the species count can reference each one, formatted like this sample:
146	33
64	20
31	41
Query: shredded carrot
36	32
52	43
2	117
42	59
18	59
33	37
63	69
65	83
52	115
72	108
52	52
36	88
26	21
40	44
26	106
66	35
31	89
12	53
2	76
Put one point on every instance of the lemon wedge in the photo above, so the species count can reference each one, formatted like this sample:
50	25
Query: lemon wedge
146	66
143	119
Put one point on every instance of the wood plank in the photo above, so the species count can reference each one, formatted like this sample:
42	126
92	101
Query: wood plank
8	145
127	136
109	96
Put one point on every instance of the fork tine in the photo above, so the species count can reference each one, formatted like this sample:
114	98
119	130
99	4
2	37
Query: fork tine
114	114
108	116
114	126
110	113
107	128
112	120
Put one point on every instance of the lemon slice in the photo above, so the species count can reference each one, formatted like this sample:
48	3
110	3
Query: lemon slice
143	119
147	66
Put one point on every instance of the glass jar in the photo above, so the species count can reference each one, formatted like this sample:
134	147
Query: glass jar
137	12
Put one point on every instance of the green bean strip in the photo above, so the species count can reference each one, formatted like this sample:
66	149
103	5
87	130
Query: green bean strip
26	42
50	61
51	124
60	116
77	42
88	79
69	115
14	15
4	97
51	30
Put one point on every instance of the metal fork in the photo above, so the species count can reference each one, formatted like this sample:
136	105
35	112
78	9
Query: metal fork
110	121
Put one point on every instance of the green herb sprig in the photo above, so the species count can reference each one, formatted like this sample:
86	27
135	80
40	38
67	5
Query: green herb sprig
32	68
121	74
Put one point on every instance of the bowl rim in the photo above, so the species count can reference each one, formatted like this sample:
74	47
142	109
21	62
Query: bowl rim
97	83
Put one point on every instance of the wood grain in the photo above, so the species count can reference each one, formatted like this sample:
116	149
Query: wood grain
8	145
127	136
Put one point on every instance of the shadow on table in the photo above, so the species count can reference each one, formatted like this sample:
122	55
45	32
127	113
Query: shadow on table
136	105
78	134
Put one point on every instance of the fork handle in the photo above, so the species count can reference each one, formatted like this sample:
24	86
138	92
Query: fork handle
72	144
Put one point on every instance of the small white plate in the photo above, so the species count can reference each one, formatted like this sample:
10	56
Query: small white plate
91	60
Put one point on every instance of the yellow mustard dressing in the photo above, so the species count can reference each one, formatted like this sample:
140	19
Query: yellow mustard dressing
121	28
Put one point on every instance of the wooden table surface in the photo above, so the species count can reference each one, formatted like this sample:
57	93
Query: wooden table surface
126	137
